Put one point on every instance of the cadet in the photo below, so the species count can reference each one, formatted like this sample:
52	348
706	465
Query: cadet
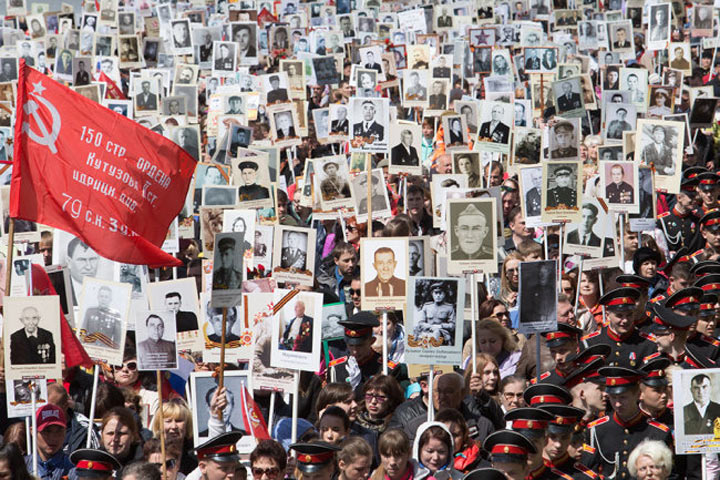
629	346
559	436
316	459
679	225
218	457
91	463
532	424
437	318
653	390
509	453
615	436
562	343
561	195
362	362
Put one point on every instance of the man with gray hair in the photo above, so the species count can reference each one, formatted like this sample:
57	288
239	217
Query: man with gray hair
404	154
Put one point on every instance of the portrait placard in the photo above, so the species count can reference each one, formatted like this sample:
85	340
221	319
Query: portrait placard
405	148
259	313
696	395
332	314
104	309
378	195
181	297
370	121
660	143
569	97
155	334
294	255
19	395
472	232
496	119
263	249
228	268
32	340
439	186
384	273
585	238
619	185
434	323
562	191
537	297
420	257
238	334
333	177
253	178
531	187
296	330
645	219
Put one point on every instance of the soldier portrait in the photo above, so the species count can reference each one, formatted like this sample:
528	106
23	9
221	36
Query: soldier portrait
495	121
333	176
619	118
228	265
378	192
619	182
472	229
660	143
205	385
104	308
294	250
564	140
296	330
531	191
537	303
156	340
249	189
31	344
562	191
370	119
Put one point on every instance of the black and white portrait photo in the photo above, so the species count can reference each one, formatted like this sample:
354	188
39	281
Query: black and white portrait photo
621	38
472	232
284	125
292	257
435	322
618	183
405	148
702	20
333	178
367	82
370	119
495	122
635	80
416	87
181	39
586	236
659	30
703	112
378	195
32	338
245	35
568	97
660	143
537	303
156	340
104	309
526	146
562	190
228	268
564	137
325	70
181	298
439	90
468	163
540	59
219	195
619	118
455	131
224	57
531	193
339	122
697	408
384	272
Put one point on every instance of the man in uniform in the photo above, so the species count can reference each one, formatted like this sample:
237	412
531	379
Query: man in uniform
276	94
619	191
564	136
708	190
377	199
31	345
559	436
316	460
292	256
333	187
103	320
437	318
561	195
679	224
218	457
154	352
616	435
251	190
654	390
533	197
92	463
224	61
679	62
509	451
361	362
568	100
415	91
629	346
298	333
619	125
368	127
227	275
495	130
470	229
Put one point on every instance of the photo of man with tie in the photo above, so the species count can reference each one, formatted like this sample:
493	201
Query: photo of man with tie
385	283
298	332
584	235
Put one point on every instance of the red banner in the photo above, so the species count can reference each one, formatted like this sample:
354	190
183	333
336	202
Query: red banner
85	169
112	91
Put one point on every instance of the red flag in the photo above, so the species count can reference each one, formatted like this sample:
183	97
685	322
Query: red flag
252	416
112	91
85	169
72	349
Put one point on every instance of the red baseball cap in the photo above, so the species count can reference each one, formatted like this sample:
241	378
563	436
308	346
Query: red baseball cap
48	415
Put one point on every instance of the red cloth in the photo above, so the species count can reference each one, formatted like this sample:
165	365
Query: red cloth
112	91
89	171
467	459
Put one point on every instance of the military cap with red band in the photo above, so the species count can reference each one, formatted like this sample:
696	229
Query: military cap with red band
564	334
587	372
620	299
705	267
707	305
528	418
564	417
707	180
620	379
312	457
546	393
632	281
221	448
655	372
709	283
668	318
686	299
92	463
509	445
359	327
587	355
711	220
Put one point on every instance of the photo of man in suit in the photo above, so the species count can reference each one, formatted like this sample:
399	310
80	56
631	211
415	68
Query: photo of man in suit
700	414
284	125
679	62
584	235
215	319
533	197
404	153
184	320
31	344
82	77
415	91
298	333
368	127
569	100
495	130
370	61
340	125
245	39
145	100
618	125
227	413
293	253
276	94
154	352
185	139
621	41
385	284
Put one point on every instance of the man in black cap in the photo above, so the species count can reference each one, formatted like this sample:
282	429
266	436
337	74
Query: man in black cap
362	362
92	463
629	346
377	198
333	187
562	343
671	330
654	390
565	139
276	94
708	190
679	224
559	435
615	436
218	457
316	459
437	318
710	231
251	190
562	195
509	453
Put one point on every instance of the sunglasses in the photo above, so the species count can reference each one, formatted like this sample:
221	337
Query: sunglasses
169	464
354	291
130	366
270	472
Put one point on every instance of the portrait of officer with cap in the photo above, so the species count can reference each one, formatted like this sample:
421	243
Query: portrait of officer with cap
472	230
564	193
250	190
435	315
379	202
228	262
563	141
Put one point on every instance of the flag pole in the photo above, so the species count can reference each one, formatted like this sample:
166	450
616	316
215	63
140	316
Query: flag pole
271	411
368	165
295	404
91	423
8	274
161	421
221	373
384	342
33	403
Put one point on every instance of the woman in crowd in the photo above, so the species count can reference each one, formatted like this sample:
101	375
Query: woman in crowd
466	456
12	463
355	459
128	376
381	396
511	392
153	454
177	419
433	451
487	379
497	341
120	436
651	460
395	457
510	279
588	300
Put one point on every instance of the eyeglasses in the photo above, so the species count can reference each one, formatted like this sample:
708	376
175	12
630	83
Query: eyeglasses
169	464
350	228
130	366
270	472
354	291
369	397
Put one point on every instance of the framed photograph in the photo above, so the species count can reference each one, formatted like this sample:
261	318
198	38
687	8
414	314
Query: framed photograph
332	314
284	125
253	177
263	249
384	273
219	195
621	36
130	54
370	120
405	147
19	395
679	53
660	143
204	385
619	118
540	59
531	193
81	260
339	123
325	70
562	191
645	219
156	340
238	335
564	138
435	321
293	256
473	235
333	176
416	87
468	163
297	330
104	309
635	80
32	341
455	132
440	186
420	259
703	112
526	146
245	35
586	237
378	195
228	268
146	99
619	185
181	298
658	35
696	391
569	97
537	299
259	312
495	122
224	58
295	70
181	38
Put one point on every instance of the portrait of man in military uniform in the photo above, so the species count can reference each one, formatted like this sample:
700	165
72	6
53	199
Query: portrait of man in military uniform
435	315
227	262
563	194
31	344
333	186
156	352
471	226
250	190
563	141
294	248
538	304
532	184
617	190
103	322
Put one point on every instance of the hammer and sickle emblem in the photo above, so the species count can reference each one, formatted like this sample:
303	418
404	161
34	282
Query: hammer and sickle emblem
46	138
